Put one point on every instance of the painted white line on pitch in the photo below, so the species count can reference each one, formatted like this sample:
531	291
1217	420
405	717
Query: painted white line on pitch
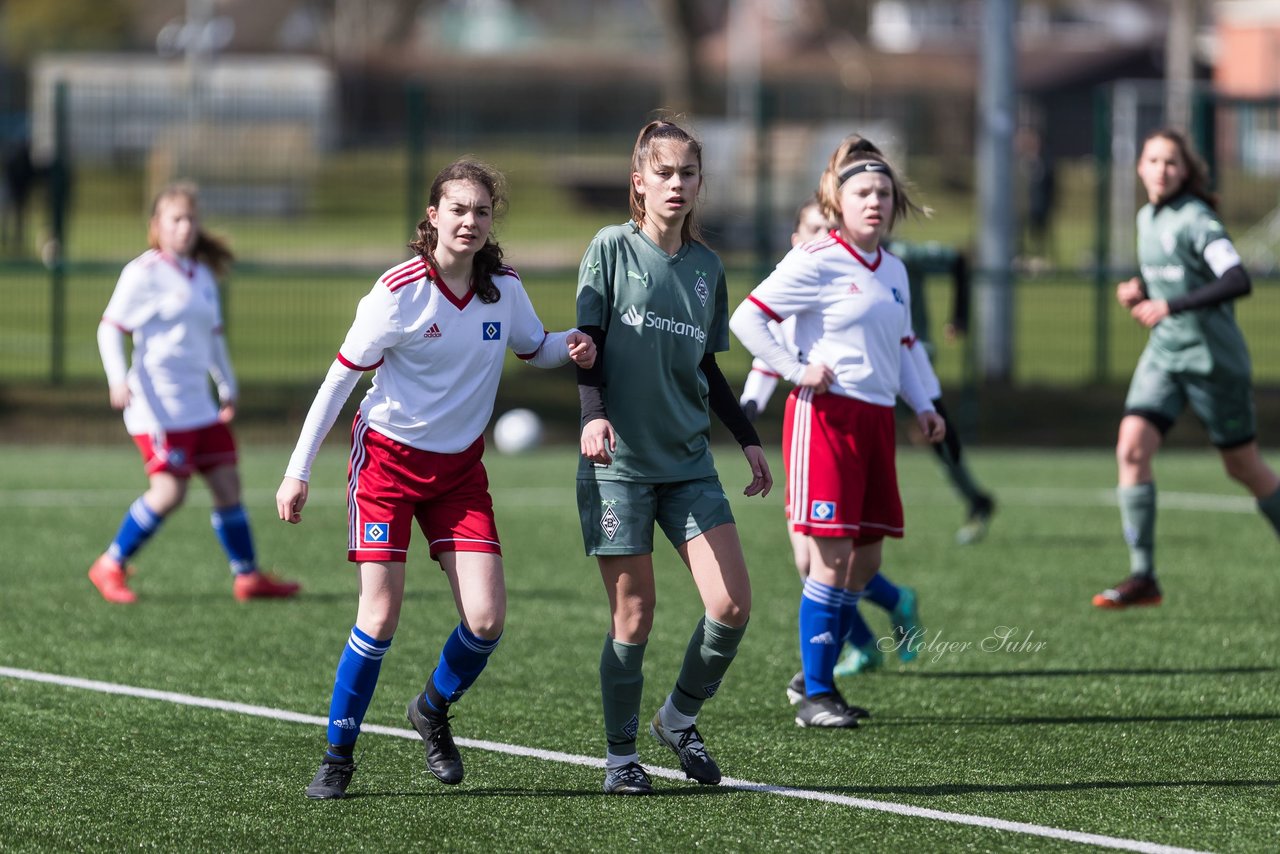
1113	842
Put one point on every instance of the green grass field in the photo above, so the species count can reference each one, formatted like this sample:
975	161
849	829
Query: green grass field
1147	730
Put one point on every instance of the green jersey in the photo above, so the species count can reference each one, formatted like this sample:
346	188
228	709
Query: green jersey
661	314
1171	247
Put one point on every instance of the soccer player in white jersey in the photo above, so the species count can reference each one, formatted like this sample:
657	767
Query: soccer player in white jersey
852	307
435	330
900	601
167	300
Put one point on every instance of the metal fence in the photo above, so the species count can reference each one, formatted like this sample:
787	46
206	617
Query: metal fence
316	210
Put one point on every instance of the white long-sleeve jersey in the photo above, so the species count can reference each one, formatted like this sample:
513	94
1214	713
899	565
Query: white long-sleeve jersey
852	314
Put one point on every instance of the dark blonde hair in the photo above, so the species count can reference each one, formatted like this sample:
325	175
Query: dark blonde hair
651	136
1197	181
210	249
488	259
854	149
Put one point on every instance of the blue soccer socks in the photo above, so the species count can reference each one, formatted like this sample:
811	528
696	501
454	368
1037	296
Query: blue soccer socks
820	606
231	524
461	661
139	524
353	686
853	628
883	592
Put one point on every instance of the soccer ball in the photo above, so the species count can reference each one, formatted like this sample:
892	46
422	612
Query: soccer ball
517	431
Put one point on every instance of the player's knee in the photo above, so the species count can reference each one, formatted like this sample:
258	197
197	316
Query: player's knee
488	626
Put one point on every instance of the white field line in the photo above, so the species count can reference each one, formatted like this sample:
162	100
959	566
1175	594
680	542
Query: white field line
1113	842
552	496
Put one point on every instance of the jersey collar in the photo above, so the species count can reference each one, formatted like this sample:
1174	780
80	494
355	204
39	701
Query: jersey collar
870	265
459	304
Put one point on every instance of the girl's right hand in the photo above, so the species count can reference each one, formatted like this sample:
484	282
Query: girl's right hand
290	498
1129	293
817	376
599	441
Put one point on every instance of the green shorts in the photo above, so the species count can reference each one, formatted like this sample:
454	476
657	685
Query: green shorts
617	515
1223	404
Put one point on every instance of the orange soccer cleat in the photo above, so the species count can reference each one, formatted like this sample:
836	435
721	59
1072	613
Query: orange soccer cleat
111	579
263	585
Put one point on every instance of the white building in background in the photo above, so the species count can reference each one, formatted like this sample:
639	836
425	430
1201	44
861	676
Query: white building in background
249	129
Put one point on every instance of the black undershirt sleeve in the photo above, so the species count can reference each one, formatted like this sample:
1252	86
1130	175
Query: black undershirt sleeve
724	403
1233	284
591	380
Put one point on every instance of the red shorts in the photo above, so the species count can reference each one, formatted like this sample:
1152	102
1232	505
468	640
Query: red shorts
182	453
841	477
390	484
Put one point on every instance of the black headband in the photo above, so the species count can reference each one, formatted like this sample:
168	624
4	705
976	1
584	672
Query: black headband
865	166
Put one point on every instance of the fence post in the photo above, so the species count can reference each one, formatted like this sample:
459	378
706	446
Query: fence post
1102	233
415	153
59	193
764	183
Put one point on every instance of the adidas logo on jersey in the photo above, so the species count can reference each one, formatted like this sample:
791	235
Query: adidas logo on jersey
433	332
824	639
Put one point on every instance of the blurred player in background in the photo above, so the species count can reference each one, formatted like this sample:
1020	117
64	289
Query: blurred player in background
167	300
1196	355
921	260
434	329
851	303
654	298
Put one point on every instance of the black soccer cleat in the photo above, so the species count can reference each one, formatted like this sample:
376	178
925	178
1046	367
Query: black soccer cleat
443	759
689	748
331	780
629	779
827	711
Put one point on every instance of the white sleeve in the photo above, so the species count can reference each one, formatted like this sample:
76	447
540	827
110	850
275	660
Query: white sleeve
760	385
553	351
909	385
131	304
528	338
1221	256
375	329
924	368
333	393
111	349
751	325
223	376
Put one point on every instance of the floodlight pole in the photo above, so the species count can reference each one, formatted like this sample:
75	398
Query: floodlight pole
996	118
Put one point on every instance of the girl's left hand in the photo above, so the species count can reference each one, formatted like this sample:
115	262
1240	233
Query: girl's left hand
227	412
761	479
582	350
933	426
1149	312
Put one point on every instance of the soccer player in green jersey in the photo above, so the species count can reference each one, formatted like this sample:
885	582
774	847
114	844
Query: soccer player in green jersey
654	299
1196	355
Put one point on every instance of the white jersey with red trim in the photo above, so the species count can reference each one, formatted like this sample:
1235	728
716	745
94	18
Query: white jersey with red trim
852	314
170	307
438	358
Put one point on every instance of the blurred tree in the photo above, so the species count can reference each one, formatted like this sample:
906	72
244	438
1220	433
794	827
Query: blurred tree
31	27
